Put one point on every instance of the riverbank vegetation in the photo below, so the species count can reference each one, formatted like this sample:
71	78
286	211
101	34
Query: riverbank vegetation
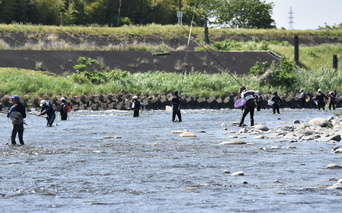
314	71
166	31
29	83
312	56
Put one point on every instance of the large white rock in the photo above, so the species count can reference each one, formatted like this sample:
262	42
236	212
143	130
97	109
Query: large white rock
187	134
261	127
319	122
233	142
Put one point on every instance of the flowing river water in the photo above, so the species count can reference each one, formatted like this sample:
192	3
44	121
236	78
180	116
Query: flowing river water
108	161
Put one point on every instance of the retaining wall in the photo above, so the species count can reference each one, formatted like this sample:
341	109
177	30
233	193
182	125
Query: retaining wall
150	102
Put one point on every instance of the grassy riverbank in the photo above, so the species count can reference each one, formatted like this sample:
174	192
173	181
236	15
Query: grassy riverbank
317	47
316	53
166	31
29	83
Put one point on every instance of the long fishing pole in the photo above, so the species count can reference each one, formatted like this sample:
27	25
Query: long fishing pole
187	48
224	68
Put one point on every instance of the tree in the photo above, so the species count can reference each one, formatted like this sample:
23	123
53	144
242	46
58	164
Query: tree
245	14
333	27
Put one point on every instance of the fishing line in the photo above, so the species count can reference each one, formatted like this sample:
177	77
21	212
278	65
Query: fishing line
224	68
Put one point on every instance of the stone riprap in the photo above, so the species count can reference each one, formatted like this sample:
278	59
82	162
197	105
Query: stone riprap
150	102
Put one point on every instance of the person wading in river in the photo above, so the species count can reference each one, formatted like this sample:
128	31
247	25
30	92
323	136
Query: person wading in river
276	103
136	106
332	99
46	108
17	113
249	96
64	109
176	104
303	97
319	98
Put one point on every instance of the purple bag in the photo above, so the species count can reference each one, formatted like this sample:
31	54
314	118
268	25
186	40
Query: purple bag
240	102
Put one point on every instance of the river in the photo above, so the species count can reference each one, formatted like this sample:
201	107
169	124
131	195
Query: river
108	161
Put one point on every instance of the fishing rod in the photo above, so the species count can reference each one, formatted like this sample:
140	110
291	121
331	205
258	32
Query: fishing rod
224	68
187	52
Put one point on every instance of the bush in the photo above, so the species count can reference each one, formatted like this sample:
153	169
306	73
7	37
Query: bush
284	73
259	68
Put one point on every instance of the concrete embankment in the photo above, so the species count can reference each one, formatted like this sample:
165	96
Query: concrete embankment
150	102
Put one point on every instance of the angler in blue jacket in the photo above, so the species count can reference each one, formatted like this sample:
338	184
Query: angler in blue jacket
46	108
17	113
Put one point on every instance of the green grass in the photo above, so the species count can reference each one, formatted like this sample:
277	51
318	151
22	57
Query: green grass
31	83
316	61
166	31
312	57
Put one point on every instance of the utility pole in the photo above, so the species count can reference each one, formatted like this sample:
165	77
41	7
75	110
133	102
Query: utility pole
206	30
180	12
335	62
296	49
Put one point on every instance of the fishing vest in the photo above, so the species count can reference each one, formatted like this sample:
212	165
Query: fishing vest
248	95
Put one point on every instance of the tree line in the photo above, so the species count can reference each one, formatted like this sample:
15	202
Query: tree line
115	13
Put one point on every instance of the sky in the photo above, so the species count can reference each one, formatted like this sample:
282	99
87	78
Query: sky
308	14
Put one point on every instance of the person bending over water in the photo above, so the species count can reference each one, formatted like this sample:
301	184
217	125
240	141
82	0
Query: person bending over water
249	96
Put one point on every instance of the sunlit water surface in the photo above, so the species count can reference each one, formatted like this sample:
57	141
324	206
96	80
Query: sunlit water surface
108	161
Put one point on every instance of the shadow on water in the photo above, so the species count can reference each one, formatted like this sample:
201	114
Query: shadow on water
110	161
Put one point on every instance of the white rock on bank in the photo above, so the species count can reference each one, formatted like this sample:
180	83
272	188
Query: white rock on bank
319	122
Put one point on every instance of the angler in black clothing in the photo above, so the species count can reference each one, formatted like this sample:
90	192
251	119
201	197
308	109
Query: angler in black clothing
276	105
18	122
249	96
63	109
332	99
259	101
303	96
176	104
136	106
46	108
320	99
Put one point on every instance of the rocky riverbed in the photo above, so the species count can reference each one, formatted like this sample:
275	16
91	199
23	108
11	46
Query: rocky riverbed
109	161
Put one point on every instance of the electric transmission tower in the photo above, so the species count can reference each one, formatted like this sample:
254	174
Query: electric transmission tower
291	19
